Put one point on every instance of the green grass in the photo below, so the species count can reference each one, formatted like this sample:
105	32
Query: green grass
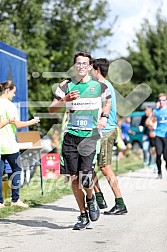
131	163
54	189
31	194
127	164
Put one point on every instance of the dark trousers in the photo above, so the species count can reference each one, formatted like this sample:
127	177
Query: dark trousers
14	162
161	148
1	174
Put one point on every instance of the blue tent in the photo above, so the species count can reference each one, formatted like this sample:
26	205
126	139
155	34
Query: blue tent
13	66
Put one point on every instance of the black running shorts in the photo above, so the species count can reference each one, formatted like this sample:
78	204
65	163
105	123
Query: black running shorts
78	153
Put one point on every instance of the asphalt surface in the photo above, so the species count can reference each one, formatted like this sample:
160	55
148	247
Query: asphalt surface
49	228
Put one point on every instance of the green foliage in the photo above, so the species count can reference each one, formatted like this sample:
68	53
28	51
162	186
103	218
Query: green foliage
50	32
149	60
124	89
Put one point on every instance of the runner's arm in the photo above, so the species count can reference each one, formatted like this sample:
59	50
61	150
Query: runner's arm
58	105
61	97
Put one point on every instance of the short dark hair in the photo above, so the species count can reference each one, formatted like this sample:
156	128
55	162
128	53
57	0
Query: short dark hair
148	107
102	64
84	54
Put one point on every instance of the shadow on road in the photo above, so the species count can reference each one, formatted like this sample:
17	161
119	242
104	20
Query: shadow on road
57	208
35	223
137	176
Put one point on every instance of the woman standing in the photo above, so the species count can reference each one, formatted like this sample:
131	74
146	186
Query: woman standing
9	150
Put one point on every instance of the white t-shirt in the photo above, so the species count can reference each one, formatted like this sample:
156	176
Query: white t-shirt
8	143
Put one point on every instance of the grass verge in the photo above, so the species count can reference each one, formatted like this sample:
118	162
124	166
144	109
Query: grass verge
31	194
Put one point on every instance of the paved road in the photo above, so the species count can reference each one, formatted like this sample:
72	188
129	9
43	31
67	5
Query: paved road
49	228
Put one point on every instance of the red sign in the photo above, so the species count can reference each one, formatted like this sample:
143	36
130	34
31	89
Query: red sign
50	165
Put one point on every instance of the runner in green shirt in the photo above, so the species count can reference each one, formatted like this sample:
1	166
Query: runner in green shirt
85	100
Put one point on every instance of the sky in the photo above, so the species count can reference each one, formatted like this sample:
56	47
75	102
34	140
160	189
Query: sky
131	14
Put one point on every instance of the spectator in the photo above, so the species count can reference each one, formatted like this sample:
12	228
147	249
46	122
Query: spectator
146	141
125	129
9	149
120	143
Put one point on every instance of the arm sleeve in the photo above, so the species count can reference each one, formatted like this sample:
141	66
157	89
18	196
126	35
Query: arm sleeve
12	111
61	91
105	92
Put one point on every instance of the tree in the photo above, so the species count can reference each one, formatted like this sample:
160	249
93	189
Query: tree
75	25
50	32
149	60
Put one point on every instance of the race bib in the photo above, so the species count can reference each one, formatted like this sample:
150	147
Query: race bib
82	122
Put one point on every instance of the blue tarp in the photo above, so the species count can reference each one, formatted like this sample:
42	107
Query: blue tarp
13	66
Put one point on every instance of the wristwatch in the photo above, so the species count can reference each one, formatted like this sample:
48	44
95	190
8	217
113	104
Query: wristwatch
105	115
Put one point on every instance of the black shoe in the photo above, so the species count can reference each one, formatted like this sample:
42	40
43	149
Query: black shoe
83	222
100	200
94	211
159	176
117	210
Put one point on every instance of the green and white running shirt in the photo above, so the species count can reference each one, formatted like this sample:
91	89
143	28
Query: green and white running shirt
83	113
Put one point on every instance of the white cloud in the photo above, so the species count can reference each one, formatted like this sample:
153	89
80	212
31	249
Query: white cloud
131	15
